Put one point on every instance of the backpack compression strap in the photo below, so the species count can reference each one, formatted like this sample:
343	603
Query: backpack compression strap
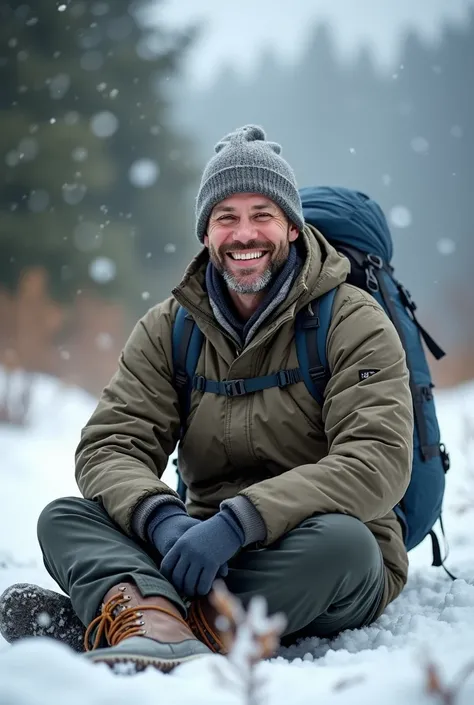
375	268
371	263
418	393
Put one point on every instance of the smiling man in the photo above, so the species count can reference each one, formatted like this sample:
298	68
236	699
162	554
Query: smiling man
284	499
249	239
248	263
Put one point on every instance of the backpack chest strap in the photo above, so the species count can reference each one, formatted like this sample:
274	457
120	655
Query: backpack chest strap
241	387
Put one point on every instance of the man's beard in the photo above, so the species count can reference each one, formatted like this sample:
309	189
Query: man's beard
243	282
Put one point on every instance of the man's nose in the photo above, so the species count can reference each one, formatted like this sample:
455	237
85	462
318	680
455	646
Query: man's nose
245	231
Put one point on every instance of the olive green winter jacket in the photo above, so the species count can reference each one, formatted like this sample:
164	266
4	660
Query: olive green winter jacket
276	447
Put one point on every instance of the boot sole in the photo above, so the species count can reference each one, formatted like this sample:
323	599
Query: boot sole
142	662
22	604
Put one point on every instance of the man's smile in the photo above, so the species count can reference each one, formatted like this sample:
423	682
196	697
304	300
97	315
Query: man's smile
247	258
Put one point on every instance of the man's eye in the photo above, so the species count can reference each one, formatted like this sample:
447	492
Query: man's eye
226	217
262	216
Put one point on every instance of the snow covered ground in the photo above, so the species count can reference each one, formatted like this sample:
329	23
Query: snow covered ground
433	620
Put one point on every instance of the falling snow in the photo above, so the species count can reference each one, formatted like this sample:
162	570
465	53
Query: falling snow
73	193
456	131
446	246
79	154
420	145
143	173
102	270
104	341
104	124
400	217
43	619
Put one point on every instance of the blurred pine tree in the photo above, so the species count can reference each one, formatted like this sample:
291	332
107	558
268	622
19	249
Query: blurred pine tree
94	177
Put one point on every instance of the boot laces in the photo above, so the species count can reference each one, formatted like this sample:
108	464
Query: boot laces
119	621
202	630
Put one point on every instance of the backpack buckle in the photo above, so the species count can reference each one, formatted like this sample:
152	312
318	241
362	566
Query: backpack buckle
311	319
181	379
445	459
199	383
375	260
283	378
427	393
317	373
234	387
405	296
287	377
371	279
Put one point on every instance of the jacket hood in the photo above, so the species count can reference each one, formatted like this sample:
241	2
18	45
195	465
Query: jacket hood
324	268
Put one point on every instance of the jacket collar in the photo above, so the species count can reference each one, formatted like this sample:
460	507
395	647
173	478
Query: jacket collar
323	268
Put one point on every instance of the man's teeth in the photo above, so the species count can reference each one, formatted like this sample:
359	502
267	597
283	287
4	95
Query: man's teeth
246	255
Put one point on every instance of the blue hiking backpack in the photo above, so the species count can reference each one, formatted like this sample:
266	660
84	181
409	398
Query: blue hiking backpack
356	226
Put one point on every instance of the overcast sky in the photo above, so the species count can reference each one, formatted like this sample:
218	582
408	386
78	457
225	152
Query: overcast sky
236	30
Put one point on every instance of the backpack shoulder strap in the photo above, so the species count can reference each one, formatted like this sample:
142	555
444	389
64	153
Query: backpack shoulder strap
186	344
311	332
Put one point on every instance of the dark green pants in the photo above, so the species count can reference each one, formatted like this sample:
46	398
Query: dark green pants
326	575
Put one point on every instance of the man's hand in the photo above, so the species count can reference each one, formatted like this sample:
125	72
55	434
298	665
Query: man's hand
202	553
167	524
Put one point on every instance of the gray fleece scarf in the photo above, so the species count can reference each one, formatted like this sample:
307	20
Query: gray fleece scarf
224	310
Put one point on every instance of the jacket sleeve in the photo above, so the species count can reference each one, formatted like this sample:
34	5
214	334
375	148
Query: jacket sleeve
125	445
368	422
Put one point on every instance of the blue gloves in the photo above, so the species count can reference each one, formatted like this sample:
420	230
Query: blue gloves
167	524
201	553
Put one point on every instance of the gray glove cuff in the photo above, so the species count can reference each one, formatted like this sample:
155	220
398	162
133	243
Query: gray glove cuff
146	508
249	518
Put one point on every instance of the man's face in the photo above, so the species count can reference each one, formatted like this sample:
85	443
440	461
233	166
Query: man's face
248	237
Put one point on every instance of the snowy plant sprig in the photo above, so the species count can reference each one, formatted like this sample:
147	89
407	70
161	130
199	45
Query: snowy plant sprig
249	636
446	694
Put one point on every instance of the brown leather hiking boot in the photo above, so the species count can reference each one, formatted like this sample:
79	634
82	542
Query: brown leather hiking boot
203	621
144	631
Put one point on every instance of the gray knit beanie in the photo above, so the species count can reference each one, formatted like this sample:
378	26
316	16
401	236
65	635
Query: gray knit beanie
246	163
